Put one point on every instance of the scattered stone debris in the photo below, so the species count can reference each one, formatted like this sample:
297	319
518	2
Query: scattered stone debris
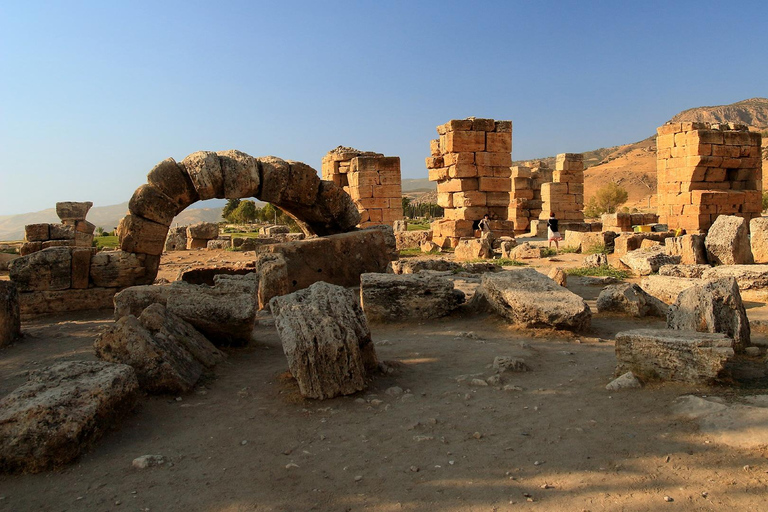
631	299
626	381
148	461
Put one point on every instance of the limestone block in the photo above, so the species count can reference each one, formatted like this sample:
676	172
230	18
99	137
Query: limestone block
273	230
685	356
714	306
173	181
149	202
49	269
499	142
241	174
631	299
460	141
529	298
667	288
62	232
326	340
203	230
429	247
401	297
177	239
273	278
758	229
219	244
30	247
57	243
72	211
139	235
472	249
133	300
204	169
647	261
61	411
727	241
115	269
286	182
36	233
81	267
10	313
525	251
690	248
162	364
596	260
559	276
44	302
748	277
695	271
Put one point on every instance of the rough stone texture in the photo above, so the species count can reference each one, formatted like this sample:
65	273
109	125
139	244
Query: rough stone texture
173	181
397	298
738	425
749	277
37	232
758	229
559	276
204	169
411	239
241	174
414	265
62	232
429	247
690	248
526	297
140	235
326	339
111	269
714	307
524	251
48	269
203	230
61	411
62	301
629	298
470	249
133	300
72	210
667	288
81	267
207	274
584	242
627	242
694	271
400	226
224	315
219	244
504	364
151	203
177	239
161	362
596	260
625	381
10	313
320	259
273	278
276	229
647	261
686	356
727	241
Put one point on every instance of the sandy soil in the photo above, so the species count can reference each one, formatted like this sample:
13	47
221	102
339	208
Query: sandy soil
246	440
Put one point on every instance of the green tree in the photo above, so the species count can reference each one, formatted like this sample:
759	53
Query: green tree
229	208
245	212
607	199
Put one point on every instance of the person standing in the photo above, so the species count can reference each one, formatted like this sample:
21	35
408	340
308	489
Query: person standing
553	233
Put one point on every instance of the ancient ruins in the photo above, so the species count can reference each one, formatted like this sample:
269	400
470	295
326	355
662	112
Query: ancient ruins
371	179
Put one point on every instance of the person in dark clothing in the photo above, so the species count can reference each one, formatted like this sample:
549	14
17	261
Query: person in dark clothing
553	233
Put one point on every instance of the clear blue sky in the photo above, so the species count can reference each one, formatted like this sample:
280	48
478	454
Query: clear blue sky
93	94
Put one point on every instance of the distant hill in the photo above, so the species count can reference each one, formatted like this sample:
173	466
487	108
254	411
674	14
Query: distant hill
752	112
107	217
419	185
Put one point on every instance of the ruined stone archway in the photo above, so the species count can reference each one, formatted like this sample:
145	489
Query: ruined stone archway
319	207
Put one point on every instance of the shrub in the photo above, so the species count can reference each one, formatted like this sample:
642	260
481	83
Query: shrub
607	199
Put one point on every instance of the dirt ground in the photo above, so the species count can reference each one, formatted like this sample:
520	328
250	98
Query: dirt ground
246	440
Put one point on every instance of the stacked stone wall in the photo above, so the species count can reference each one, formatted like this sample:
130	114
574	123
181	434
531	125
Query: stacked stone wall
705	170
565	194
73	231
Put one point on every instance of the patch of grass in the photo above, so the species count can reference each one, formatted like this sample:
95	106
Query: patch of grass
603	271
8	251
241	234
568	250
596	249
101	242
545	253
419	225
410	252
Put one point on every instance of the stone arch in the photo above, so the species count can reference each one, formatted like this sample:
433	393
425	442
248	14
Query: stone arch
319	207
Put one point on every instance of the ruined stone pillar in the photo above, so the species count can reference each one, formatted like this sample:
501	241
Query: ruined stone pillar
470	163
371	179
565	195
705	170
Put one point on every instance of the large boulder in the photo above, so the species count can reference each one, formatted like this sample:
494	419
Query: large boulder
758	230
686	356
596	260
529	298
470	249
667	288
273	278
61	411
326	339
155	345
749	277
177	239
690	271
524	251
134	300
397	298
10	313
727	241
647	261
629	298
203	231
690	248
714	306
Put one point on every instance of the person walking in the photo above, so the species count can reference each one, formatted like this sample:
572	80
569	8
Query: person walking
553	233
484	226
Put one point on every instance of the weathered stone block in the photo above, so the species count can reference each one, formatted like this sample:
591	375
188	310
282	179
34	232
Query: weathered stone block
81	267
139	235
62	301
149	202
647	261
204	169
242	177
326	339
36	232
758	229
10	313
397	298
470	249
727	241
631	299
72	210
118	269
49	269
173	181
667	288
690	248
62	232
686	356
203	230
